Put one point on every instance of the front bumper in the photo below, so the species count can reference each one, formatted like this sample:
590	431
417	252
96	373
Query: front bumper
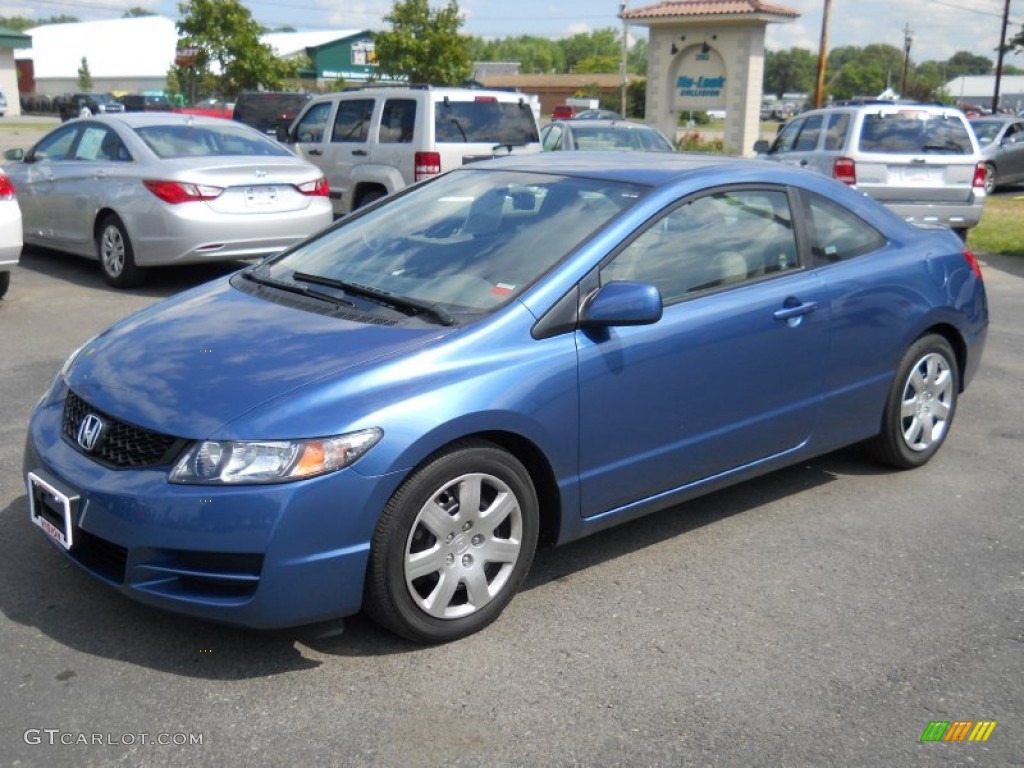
259	556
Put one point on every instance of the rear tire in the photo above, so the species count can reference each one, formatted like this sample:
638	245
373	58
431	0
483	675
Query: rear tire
370	197
921	405
453	544
116	255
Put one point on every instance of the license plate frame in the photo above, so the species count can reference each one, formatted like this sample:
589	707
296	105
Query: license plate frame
52	506
261	196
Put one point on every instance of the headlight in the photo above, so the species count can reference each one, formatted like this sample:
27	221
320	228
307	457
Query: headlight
242	462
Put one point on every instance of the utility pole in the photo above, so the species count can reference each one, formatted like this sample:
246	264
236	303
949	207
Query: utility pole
625	57
907	40
999	61
819	92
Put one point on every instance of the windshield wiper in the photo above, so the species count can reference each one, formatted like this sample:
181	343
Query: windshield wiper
302	290
507	145
406	303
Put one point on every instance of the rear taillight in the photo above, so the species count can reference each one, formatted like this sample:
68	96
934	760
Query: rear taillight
980	174
972	261
7	189
427	164
175	192
844	170
317	188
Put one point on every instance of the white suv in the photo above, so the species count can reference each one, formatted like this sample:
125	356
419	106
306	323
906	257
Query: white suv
372	141
920	160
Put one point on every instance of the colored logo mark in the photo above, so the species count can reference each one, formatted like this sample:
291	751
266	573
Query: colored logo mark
958	730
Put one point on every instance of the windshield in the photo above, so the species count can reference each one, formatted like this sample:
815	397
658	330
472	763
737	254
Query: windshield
986	130
484	120
471	240
619	137
187	140
912	132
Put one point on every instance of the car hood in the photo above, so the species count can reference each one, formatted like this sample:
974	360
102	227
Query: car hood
188	366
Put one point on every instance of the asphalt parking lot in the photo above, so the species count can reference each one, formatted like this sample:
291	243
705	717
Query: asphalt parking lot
822	615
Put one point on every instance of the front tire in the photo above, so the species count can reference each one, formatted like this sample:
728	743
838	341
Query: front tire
921	405
116	255
453	544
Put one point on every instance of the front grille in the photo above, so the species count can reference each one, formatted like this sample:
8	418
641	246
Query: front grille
122	445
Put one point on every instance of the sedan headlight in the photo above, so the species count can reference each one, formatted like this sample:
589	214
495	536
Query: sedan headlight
242	462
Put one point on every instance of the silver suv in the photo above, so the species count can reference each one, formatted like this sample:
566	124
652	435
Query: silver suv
372	141
920	160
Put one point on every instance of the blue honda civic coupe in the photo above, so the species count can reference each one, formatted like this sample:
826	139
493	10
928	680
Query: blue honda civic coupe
395	413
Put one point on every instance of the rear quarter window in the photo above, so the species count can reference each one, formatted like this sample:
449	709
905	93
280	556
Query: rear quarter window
915	133
496	122
836	234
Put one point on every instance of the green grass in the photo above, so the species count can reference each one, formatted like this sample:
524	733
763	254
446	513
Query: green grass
1002	227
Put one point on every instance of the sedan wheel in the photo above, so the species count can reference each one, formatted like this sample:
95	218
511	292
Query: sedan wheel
453	544
117	258
921	405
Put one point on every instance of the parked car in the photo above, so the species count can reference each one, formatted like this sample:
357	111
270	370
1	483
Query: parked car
146	102
563	112
370	142
141	190
602	134
920	160
530	349
10	232
266	111
87	104
209	108
598	114
1002	149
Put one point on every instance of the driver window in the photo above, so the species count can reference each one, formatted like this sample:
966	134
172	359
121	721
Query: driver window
57	145
311	126
711	242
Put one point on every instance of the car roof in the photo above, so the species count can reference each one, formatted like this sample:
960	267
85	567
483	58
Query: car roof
140	119
647	168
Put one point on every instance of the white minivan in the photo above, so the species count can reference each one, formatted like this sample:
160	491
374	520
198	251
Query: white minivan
372	141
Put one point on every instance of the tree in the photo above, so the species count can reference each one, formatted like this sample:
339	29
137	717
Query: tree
84	76
224	34
792	71
589	45
20	23
136	12
424	45
967	63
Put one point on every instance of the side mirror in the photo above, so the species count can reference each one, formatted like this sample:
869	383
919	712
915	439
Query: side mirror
622	302
762	147
15	155
281	133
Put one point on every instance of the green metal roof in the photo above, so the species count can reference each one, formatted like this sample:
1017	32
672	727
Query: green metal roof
11	39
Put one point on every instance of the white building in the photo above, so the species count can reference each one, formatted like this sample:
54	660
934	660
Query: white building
131	54
978	90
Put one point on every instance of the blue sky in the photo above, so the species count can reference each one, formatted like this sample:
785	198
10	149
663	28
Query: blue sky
938	28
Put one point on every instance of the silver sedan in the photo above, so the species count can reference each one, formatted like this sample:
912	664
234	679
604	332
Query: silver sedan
144	190
1002	148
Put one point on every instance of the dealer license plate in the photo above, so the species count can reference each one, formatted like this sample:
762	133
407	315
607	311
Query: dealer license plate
53	507
260	197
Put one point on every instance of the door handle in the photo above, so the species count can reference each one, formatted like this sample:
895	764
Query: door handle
795	310
316	152
803	162
359	152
